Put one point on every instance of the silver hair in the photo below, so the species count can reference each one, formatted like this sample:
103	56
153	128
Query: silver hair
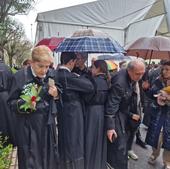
132	64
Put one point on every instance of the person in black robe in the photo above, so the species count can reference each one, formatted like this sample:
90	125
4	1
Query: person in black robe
70	116
36	135
95	133
7	119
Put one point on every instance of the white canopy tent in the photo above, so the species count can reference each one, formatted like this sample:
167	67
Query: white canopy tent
123	20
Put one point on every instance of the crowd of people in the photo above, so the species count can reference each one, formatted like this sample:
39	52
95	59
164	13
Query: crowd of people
75	117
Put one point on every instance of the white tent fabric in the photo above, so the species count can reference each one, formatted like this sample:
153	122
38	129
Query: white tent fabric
124	20
145	28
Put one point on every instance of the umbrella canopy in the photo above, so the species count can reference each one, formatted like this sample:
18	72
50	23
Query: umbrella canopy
111	64
52	43
157	47
115	57
89	32
90	44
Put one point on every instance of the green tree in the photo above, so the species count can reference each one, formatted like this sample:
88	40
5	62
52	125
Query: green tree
11	31
14	43
13	7
8	28
18	51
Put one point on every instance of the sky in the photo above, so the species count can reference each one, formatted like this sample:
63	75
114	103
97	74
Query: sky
41	6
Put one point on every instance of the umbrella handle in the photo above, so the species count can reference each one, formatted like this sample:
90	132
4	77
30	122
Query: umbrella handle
137	54
146	54
150	57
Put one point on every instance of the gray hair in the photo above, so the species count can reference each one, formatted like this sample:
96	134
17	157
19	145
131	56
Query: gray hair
134	63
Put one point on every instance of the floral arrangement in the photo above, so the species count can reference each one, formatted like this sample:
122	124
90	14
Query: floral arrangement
163	97
30	95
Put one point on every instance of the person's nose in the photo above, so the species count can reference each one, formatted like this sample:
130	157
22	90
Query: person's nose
44	70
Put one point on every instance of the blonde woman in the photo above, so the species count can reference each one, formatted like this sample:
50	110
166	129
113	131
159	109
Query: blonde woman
31	98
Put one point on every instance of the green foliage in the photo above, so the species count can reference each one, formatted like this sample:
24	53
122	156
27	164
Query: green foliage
4	154
13	44
30	90
14	7
13	70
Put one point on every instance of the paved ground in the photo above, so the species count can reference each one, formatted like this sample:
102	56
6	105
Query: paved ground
144	154
14	161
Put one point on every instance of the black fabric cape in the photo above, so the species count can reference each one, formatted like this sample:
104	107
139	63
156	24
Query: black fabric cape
35	138
7	119
71	120
95	134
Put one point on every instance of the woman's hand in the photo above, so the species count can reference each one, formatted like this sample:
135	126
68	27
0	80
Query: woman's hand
53	91
161	99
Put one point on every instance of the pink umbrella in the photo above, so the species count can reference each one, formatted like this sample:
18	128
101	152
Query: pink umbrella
52	43
156	47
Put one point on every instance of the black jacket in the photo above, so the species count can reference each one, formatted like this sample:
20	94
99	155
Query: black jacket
118	104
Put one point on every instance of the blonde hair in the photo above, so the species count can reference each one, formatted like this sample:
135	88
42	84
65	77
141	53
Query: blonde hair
42	53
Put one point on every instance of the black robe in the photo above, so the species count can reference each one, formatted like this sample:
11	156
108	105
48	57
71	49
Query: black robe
71	120
7	119
95	134
35	138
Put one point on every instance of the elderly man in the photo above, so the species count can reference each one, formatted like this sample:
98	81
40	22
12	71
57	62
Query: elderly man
32	99
117	112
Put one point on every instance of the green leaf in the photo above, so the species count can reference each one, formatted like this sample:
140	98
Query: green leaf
34	91
22	106
39	90
38	98
25	106
26	98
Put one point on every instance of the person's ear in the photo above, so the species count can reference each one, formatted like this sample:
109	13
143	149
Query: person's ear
70	63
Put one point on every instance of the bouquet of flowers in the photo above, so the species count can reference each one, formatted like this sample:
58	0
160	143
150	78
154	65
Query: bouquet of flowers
163	97
30	95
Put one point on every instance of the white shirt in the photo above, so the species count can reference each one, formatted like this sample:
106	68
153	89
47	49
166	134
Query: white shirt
64	67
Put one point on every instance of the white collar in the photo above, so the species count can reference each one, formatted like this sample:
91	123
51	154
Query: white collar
64	67
32	70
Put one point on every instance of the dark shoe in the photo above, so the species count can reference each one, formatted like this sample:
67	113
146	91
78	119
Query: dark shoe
141	143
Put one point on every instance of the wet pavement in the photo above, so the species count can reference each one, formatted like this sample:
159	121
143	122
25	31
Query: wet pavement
144	154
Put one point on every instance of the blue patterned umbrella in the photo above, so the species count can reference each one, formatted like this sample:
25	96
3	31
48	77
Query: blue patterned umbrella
90	44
